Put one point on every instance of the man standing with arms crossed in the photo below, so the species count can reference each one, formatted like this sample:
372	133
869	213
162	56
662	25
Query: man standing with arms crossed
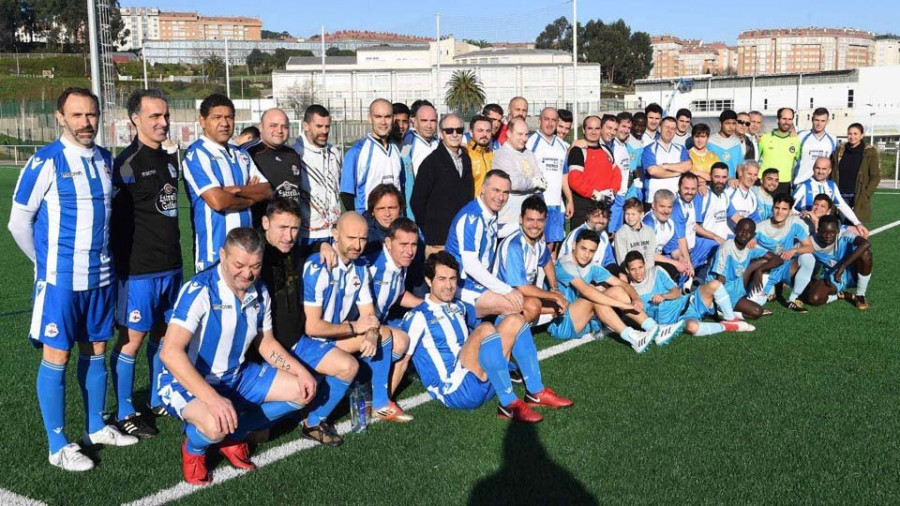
146	247
60	220
222	181
277	162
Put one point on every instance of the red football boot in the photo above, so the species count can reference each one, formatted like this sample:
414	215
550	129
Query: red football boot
547	398
238	453
518	411
194	467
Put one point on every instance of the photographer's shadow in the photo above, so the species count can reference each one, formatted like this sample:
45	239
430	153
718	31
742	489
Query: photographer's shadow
528	475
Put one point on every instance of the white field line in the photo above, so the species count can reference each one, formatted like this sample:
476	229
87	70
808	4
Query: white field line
272	455
290	448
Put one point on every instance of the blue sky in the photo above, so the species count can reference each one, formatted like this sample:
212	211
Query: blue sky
495	21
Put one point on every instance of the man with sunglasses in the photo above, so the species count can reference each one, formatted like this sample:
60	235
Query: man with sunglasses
443	185
742	133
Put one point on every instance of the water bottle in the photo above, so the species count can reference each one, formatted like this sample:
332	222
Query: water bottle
358	416
367	394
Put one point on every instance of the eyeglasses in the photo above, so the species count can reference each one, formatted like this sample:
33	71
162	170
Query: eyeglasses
745	123
457	130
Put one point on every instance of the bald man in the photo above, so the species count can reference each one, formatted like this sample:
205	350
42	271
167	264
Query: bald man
372	161
525	174
275	159
518	108
332	340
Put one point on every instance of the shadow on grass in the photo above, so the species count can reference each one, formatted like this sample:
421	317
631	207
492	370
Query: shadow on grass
528	475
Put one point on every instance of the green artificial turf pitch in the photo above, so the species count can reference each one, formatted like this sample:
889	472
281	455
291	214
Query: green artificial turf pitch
801	411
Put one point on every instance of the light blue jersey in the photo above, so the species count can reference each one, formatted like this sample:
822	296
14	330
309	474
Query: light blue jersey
223	326
778	239
829	258
368	164
729	150
68	189
518	262
388	283
603	255
567	270
764	203
208	165
474	229
437	333
731	262
338	290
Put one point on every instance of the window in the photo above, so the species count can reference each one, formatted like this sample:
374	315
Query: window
811	103
765	104
849	99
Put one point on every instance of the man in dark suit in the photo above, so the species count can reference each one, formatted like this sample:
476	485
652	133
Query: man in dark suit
443	185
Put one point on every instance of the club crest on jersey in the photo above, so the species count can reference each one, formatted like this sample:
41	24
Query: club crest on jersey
243	158
134	316
726	156
792	149
51	330
167	201
355	282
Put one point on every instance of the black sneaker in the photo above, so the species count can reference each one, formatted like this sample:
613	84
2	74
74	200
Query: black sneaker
797	307
516	376
324	434
134	425
157	411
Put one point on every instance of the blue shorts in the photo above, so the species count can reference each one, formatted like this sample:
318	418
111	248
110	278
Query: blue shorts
61	317
311	350
847	281
736	290
617	214
147	301
463	391
555	228
703	251
470	291
696	309
670	311
562	327
250	387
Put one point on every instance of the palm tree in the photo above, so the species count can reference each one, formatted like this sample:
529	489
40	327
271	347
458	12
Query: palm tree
465	93
214	67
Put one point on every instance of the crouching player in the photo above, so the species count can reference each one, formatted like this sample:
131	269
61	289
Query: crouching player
462	363
785	235
740	269
846	259
591	304
206	383
666	304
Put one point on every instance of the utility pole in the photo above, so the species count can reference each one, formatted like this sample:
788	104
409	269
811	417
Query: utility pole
437	85
575	69
94	36
227	71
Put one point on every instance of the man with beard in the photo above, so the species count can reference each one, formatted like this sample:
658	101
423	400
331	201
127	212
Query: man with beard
768	183
597	219
780	148
145	242
401	122
518	108
692	249
785	235
479	146
712	214
60	219
319	175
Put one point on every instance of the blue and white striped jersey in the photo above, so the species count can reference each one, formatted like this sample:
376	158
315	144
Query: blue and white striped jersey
551	155
336	290
388	283
416	148
604	254
518	262
69	190
812	148
222	325
712	213
666	241
684	217
806	193
657	153
368	164
207	165
474	229
437	332
779	239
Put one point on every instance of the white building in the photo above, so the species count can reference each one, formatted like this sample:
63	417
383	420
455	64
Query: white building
887	50
142	24
405	74
866	95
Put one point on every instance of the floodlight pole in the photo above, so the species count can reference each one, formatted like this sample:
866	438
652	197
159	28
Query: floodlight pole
144	58
575	70
324	86
94	44
227	71
437	84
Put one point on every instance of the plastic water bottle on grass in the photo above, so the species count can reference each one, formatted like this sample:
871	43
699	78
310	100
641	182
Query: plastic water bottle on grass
359	417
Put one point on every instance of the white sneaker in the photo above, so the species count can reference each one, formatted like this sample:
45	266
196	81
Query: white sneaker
669	332
640	340
109	436
70	458
737	326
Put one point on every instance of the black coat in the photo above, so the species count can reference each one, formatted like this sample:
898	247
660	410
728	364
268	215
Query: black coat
439	192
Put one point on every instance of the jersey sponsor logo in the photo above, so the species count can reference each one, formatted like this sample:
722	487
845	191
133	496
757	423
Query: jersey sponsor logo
147	173
193	287
221	307
134	316
288	190
51	330
167	201
72	174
